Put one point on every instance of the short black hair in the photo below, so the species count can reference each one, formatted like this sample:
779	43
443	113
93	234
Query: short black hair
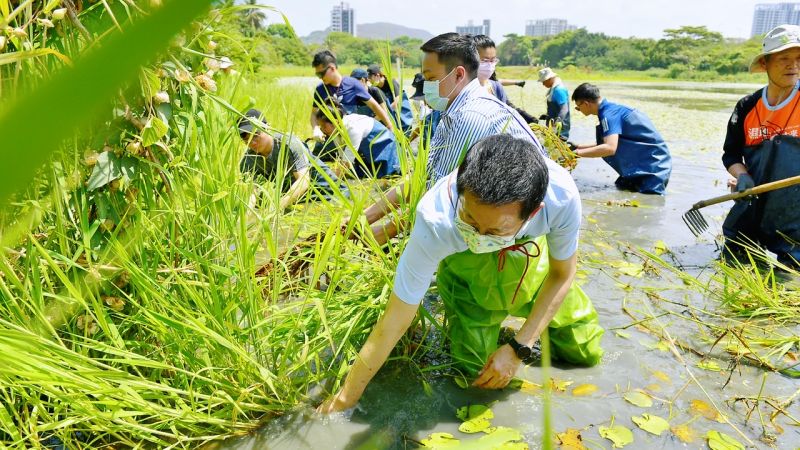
454	50
246	126
331	106
483	41
323	57
586	91
501	169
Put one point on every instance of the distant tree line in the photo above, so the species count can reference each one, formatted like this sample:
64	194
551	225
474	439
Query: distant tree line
683	49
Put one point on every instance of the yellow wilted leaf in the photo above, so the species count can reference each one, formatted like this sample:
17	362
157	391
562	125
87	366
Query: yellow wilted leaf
603	245
559	385
618	435
622	334
571	440
628	268
525	386
591	219
652	424
660	248
584	389
699	407
639	398
721	441
662	376
653	387
684	433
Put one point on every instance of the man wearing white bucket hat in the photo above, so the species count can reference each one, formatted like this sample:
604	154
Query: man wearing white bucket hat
557	100
762	145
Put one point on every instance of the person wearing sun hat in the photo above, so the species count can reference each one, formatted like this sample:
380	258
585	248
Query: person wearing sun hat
557	100
761	146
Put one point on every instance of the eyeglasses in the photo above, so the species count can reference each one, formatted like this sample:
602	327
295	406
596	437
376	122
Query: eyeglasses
322	73
579	104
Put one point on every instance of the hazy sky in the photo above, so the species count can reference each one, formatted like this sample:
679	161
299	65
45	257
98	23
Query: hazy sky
642	18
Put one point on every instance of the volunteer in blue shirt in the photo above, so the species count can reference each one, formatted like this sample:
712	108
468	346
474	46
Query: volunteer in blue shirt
557	101
362	76
348	91
501	235
627	140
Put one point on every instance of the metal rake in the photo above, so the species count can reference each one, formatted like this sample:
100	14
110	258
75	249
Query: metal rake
697	224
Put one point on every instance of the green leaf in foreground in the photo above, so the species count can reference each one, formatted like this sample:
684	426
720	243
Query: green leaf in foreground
153	131
721	441
652	424
31	132
618	435
476	418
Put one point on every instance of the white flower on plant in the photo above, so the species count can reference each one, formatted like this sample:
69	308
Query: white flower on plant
161	97
183	75
3	41
47	23
19	33
206	82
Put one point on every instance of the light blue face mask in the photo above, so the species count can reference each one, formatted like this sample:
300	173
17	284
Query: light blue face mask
432	97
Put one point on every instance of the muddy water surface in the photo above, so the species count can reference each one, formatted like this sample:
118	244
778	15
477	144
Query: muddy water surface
396	411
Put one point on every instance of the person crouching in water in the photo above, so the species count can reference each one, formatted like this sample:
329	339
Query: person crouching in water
267	152
627	140
369	148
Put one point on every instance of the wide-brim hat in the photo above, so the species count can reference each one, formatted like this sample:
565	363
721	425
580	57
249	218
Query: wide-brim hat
780	38
545	74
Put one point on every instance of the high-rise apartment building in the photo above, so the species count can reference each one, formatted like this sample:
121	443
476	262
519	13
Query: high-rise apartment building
769	15
547	27
343	19
472	28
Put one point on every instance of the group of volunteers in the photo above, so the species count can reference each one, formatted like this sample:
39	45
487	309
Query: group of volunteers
499	223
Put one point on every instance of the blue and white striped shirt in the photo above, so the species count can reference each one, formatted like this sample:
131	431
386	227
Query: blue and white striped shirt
473	115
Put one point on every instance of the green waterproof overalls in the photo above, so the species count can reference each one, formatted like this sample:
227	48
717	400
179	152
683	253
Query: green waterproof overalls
481	290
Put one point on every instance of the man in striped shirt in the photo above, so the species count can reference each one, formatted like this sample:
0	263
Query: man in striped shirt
468	114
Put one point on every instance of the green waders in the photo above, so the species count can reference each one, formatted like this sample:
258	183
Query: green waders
478	297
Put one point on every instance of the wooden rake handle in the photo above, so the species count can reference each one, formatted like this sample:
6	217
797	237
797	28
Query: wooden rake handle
760	189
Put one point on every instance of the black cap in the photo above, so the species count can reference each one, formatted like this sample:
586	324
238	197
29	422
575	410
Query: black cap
245	123
419	81
374	69
359	73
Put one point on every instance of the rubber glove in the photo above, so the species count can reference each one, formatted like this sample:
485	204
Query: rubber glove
744	182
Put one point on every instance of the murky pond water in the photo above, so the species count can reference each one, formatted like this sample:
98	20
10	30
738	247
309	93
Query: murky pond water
397	412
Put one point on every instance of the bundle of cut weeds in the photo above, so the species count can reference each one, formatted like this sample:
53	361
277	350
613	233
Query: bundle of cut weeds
558	150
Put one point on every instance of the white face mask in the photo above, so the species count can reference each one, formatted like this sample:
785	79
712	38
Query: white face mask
432	97
485	70
481	243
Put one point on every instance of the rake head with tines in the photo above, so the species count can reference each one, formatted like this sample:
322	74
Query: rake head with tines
695	221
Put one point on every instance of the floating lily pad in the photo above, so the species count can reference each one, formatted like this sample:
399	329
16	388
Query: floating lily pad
721	441
584	389
441	441
650	423
477	418
617	434
571	440
712	366
684	433
639	398
701	408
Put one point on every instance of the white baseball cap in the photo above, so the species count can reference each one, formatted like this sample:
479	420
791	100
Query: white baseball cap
777	40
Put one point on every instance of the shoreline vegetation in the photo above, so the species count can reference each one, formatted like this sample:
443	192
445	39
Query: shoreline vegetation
145	300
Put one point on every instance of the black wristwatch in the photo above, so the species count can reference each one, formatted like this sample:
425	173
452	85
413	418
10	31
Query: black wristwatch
523	351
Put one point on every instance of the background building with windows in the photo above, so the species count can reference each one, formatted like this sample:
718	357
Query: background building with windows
769	15
343	19
547	27
472	28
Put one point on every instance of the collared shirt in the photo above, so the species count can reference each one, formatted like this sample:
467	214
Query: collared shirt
435	236
473	115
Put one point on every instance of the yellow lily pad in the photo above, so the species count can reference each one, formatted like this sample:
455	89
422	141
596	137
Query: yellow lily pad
662	376
477	418
584	389
660	248
721	441
440	441
559	385
639	398
617	434
650	423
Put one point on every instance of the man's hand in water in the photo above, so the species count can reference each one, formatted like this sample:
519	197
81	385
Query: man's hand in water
334	404
499	369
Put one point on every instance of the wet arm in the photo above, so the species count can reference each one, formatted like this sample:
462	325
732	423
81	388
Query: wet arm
607	148
302	181
313	118
391	326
